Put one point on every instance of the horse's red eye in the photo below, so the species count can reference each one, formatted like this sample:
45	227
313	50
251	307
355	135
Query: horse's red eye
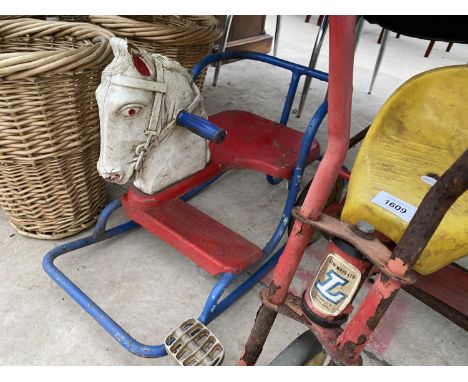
130	111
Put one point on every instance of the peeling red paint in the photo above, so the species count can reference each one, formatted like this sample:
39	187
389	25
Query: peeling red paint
397	267
386	289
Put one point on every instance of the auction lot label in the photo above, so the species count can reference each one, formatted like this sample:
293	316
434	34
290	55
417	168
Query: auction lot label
397	207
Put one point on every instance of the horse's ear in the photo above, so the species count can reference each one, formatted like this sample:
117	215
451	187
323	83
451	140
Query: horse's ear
141	65
119	47
138	59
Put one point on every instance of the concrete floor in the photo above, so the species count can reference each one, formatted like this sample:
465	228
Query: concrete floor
149	288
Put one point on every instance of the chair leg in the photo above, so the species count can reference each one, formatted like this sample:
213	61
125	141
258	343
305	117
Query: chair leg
357	33
429	48
277	33
222	46
313	61
379	40
320	19
449	46
379	60
307	19
398	35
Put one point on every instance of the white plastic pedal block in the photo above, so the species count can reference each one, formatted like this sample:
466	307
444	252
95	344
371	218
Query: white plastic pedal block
193	344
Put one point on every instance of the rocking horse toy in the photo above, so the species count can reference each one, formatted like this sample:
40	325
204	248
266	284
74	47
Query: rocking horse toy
154	131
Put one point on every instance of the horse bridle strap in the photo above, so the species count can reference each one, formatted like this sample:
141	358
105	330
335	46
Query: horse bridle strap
159	87
153	132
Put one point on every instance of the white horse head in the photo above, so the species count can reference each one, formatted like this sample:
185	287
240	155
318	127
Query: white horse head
139	98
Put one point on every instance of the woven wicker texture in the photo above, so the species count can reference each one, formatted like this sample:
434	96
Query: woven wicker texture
186	39
10	17
49	125
75	18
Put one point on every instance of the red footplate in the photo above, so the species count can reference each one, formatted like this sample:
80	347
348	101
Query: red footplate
202	239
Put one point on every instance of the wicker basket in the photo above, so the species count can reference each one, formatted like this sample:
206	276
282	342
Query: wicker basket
186	39
49	125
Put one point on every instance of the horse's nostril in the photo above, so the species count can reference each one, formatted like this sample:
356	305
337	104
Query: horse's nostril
115	177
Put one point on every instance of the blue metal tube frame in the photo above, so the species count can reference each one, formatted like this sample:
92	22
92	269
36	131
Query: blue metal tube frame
296	69
213	307
212	311
290	98
240	54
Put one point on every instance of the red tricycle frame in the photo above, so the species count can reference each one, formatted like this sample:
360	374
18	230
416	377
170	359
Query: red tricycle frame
344	336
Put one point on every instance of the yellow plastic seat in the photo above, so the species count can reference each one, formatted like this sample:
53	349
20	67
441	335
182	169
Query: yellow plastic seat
419	132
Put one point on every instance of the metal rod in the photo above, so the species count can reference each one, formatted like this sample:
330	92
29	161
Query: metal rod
214	296
429	48
253	347
358	137
357	35
255	56
277	34
119	334
340	90
379	60
452	184
99	228
313	61
290	98
244	287
222	46
379	40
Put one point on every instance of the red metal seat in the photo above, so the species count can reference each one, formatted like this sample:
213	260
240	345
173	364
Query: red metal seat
256	143
252	142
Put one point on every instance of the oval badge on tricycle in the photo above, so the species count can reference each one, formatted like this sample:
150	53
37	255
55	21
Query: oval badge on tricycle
334	285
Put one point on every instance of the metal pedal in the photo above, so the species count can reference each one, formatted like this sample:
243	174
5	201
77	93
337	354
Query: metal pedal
193	344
